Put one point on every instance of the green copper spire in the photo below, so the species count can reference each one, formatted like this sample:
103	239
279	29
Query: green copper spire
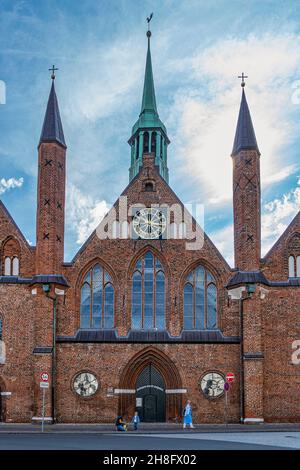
149	134
149	101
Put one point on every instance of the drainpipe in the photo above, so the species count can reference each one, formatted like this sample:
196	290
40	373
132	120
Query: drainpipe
242	394
46	289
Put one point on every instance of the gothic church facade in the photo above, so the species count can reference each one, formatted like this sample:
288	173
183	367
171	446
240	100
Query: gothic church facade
136	321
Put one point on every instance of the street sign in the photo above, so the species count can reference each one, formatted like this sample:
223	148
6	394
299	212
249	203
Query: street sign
44	384
230	377
45	377
226	386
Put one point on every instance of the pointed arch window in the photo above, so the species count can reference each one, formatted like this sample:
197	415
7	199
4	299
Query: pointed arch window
97	299
200	300
148	294
7	266
292	272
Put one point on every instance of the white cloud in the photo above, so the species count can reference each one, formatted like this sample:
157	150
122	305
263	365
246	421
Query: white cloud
277	215
207	113
84	213
223	239
10	183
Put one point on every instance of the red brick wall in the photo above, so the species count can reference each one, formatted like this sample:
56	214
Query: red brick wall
246	210
50	208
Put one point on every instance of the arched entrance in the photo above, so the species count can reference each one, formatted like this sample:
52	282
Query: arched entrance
149	384
150	395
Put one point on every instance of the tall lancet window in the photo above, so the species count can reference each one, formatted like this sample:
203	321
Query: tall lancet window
148	294
200	300
97	299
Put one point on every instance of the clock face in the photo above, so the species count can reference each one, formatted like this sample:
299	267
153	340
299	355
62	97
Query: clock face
149	223
212	384
85	384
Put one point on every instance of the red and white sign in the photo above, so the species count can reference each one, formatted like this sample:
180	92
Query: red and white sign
45	377
230	377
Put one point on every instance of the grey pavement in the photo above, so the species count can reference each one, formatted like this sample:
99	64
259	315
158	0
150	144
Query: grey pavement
153	428
130	441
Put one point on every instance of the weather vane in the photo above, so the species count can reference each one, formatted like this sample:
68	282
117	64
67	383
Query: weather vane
243	76
148	21
53	70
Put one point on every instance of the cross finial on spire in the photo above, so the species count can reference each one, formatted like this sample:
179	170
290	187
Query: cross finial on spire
148	19
53	70
243	76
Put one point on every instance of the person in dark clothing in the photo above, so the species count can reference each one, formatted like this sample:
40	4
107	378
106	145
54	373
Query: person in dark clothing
120	424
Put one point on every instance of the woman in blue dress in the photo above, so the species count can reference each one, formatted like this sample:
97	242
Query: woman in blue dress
187	415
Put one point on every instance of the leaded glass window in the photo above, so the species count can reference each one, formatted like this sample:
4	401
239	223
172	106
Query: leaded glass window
200	300
148	294
97	299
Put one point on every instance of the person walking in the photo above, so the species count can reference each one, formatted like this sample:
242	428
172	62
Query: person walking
136	420
187	415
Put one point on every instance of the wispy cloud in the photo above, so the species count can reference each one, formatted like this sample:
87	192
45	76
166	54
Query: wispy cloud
277	215
207	114
10	183
83	213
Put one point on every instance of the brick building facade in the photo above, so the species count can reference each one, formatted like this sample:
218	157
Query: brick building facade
148	313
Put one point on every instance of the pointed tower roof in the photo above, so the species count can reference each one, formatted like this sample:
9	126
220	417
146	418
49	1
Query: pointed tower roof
149	101
244	136
52	130
148	117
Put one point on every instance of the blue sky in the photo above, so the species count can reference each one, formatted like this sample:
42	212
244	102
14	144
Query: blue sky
198	49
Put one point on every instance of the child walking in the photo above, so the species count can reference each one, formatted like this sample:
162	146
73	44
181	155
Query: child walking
136	420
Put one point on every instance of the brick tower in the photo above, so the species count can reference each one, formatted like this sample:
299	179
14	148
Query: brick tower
246	192
51	190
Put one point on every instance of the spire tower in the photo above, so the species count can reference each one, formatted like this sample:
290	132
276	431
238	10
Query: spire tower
246	191
51	189
149	134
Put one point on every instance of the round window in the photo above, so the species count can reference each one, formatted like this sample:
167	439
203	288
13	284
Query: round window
212	384
85	384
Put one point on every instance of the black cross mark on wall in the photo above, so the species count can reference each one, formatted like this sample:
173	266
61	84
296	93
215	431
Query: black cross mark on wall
47	202
59	206
58	239
250	238
237	186
248	161
48	162
46	236
249	181
60	166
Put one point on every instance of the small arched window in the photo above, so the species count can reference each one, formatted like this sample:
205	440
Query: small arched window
7	266
146	142
15	266
97	300
200	300
153	142
148	294
292	272
149	186
298	266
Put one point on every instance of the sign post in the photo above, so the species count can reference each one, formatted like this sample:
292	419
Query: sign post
229	379
44	384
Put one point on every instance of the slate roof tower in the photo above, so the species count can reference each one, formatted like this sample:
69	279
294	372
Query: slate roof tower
246	192
51	190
